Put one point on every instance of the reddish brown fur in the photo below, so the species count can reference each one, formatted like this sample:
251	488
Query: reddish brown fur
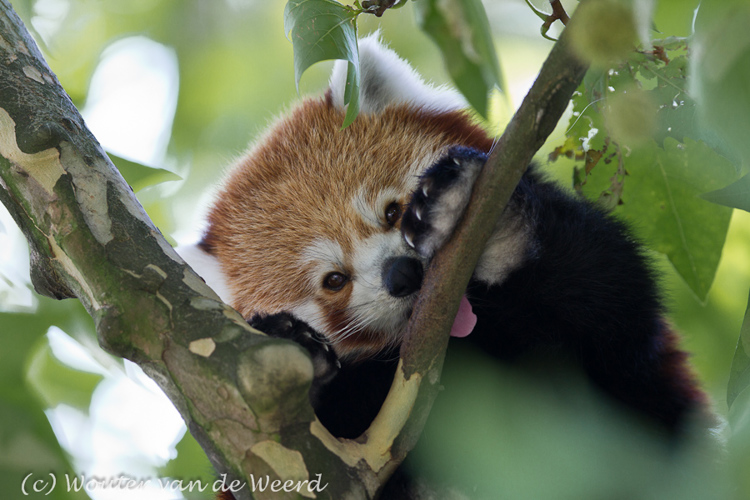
681	380
296	184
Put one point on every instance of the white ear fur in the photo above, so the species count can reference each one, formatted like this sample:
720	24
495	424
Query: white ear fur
208	268
387	79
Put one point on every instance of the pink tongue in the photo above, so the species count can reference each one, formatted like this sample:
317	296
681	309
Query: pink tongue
465	319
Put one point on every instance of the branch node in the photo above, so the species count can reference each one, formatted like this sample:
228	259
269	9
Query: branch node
378	7
274	378
558	12
45	136
45	278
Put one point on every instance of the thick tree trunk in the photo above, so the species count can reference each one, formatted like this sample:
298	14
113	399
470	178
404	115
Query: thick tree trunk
238	391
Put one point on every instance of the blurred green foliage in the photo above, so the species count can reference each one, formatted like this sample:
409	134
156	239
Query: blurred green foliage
462	32
26	439
237	71
549	436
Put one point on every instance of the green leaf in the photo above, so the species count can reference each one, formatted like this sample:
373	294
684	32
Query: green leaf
721	71
139	176
661	179
586	121
461	29
27	443
739	442
321	30
735	195
675	17
58	383
631	117
739	374
604	32
661	200
540	14
190	464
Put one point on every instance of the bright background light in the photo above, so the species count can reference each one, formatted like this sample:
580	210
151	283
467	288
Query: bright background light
132	99
131	427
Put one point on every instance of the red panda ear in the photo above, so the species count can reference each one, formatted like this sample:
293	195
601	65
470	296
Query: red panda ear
387	79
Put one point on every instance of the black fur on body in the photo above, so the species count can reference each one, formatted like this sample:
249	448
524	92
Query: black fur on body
583	296
560	284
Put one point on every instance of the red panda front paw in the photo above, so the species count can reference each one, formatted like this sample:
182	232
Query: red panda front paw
440	199
283	325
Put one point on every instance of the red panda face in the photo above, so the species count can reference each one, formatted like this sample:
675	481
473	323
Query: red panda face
309	221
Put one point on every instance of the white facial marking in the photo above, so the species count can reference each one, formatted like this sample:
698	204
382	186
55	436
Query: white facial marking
364	209
325	256
371	309
373	213
370	304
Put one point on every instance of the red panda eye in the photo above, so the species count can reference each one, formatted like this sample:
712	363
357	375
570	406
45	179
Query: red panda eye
335	281
392	213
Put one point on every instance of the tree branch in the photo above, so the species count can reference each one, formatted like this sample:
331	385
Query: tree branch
423	350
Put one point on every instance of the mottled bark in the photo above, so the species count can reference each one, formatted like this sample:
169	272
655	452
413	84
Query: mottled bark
242	394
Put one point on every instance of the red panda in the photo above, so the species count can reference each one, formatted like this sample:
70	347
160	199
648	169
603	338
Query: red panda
322	235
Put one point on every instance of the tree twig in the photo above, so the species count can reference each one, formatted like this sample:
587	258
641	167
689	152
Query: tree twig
446	280
558	12
378	7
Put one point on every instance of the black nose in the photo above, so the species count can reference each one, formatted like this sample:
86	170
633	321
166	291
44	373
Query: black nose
402	276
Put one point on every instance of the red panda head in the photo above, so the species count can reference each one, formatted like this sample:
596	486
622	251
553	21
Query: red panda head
308	221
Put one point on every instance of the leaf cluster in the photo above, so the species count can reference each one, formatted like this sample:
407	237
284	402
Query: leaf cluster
326	29
639	153
659	138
